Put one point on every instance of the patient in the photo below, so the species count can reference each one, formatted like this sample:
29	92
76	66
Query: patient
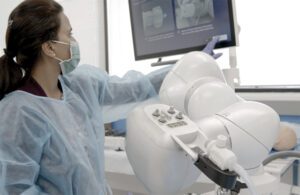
287	138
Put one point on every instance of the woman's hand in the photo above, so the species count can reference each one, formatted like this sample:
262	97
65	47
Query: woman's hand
209	48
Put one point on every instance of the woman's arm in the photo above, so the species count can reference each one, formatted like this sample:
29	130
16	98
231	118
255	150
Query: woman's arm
117	95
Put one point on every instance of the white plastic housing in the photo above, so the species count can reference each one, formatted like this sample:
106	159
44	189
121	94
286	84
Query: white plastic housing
157	160
208	96
252	128
190	68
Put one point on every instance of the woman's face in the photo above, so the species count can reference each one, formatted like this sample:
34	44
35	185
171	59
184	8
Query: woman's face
64	35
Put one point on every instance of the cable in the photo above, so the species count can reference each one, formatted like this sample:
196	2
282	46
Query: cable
281	155
244	175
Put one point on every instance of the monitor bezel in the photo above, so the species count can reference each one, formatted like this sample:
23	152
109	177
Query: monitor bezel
233	43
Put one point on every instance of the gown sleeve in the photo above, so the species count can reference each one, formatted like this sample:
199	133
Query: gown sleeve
22	136
118	95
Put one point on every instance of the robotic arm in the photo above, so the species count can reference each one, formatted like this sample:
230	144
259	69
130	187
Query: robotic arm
196	87
202	125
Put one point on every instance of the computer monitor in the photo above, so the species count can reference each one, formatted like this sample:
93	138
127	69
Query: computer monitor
169	27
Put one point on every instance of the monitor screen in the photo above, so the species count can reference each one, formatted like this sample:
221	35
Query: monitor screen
168	27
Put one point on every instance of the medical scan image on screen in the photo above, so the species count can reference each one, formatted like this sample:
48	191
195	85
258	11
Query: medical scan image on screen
193	12
156	17
168	27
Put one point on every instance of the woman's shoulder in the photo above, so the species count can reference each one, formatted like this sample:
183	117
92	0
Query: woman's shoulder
16	102
19	115
13	99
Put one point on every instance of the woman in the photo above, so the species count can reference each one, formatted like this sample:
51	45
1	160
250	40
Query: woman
51	125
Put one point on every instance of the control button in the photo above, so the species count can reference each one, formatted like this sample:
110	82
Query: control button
156	113
162	120
171	110
179	116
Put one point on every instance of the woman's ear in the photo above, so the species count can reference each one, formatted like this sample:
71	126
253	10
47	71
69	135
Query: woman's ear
47	49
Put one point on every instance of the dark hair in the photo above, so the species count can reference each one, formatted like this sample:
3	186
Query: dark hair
31	23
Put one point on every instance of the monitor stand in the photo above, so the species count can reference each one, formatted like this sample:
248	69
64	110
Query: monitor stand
162	63
232	74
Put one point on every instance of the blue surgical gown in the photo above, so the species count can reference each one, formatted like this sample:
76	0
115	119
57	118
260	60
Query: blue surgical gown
50	146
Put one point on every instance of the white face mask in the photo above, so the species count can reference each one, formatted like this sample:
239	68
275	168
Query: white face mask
69	65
